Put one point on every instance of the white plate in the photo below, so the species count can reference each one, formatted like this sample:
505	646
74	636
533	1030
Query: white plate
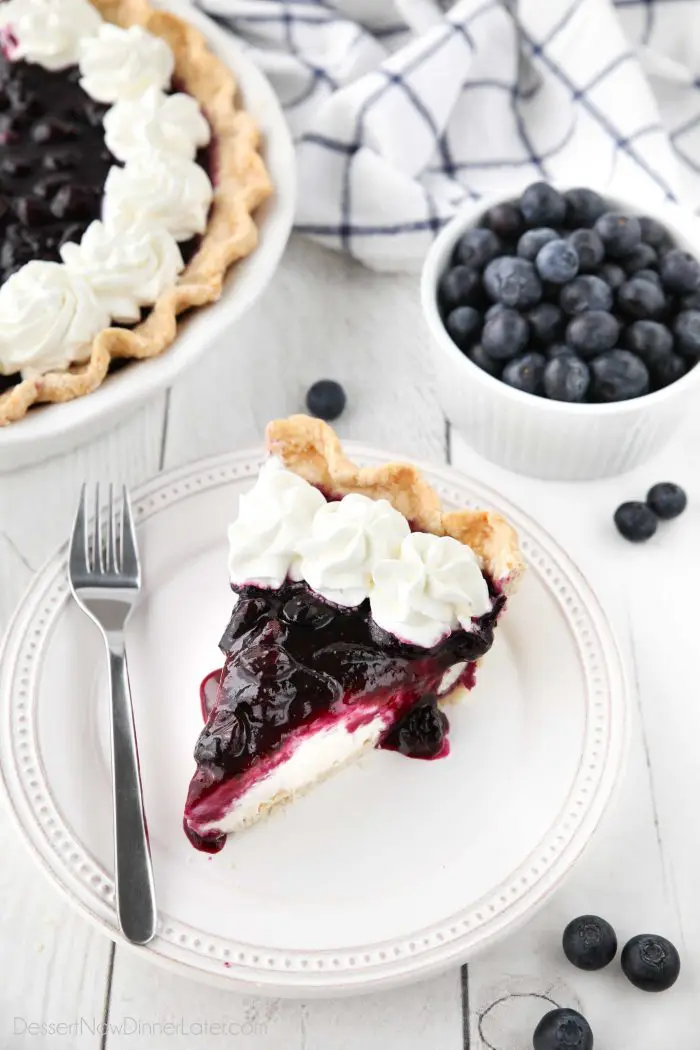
391	870
51	429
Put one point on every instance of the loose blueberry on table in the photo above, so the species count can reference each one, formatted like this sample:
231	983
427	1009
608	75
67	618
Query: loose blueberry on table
650	962
553	275
563	1029
589	942
667	500
326	399
636	521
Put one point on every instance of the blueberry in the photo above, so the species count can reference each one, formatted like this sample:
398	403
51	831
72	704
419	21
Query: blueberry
48	185
546	323
505	335
61	160
73	202
542	205
619	233
513	282
613	275
651	340
640	298
506	220
583	207
463	324
557	262
15	167
589	942
325	399
585	293
618	375
477	247
668	370
650	962
420	733
32	212
593	333
667	500
691	302
636	522
532	240
589	248
649	275
496	308
558	350
686	329
563	1029
566	378
680	272
73	234
459	286
653	232
525	373
54	129
482	360
641	258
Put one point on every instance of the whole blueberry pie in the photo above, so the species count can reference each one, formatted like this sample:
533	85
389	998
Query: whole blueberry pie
129	177
361	608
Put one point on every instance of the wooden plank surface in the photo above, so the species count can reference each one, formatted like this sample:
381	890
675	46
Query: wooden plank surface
641	870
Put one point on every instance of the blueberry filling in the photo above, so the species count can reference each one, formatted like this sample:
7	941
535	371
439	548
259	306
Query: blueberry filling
53	164
292	659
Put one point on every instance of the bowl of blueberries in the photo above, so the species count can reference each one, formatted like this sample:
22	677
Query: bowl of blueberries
566	328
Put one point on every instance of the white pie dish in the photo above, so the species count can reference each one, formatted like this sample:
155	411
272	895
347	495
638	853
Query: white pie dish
50	430
536	752
533	435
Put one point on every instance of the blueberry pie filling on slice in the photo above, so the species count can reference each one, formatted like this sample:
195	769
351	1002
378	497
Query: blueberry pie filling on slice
361	607
129	177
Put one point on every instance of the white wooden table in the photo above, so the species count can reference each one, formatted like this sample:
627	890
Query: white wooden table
324	316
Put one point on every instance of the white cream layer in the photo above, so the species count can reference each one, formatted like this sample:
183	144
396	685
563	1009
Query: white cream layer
315	758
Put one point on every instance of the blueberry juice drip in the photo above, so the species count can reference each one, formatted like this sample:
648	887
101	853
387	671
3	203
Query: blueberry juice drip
293	660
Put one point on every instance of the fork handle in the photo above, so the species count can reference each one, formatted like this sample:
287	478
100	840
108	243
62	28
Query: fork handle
135	892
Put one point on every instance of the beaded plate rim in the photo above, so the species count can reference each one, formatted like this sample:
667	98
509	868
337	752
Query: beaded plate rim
223	961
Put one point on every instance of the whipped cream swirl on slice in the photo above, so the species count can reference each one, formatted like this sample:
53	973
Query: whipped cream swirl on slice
348	539
165	191
432	588
48	319
127	266
47	33
272	520
172	125
119	64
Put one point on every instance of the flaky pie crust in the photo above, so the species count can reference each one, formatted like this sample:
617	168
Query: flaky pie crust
242	184
311	449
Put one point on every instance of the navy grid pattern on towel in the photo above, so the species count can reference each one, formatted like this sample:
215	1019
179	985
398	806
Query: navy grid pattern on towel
404	110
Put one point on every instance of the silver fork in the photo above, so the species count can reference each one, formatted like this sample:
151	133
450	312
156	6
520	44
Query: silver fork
105	578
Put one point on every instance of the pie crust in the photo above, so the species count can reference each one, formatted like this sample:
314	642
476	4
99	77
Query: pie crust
311	449
241	184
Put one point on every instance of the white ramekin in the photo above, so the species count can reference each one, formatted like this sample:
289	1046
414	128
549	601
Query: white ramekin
535	436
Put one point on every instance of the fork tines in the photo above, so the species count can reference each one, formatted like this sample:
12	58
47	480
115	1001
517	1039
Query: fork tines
109	547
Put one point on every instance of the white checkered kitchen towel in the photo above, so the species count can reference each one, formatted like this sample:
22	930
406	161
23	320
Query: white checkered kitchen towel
405	109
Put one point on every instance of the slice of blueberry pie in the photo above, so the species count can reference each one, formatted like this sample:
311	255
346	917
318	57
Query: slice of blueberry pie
361	606
129	177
